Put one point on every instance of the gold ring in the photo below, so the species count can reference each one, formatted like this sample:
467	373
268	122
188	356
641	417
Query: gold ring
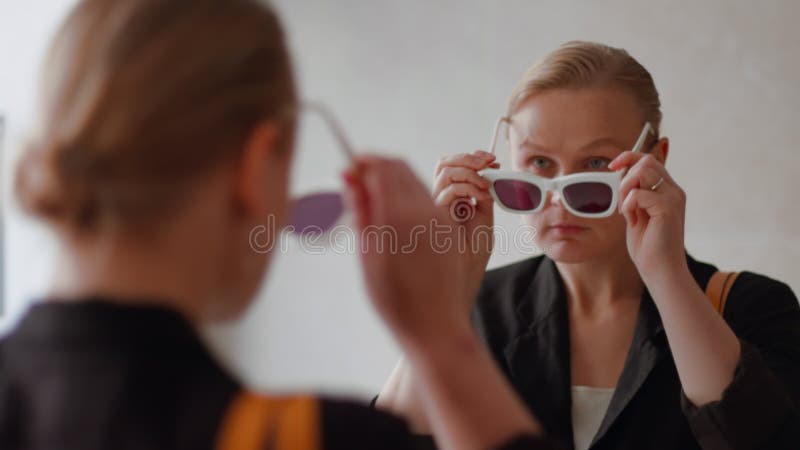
657	185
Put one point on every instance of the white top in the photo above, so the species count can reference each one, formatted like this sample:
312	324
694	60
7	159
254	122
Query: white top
589	405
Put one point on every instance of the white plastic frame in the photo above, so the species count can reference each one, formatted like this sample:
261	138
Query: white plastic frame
612	179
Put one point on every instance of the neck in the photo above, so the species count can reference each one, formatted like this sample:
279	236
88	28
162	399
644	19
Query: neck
600	284
166	271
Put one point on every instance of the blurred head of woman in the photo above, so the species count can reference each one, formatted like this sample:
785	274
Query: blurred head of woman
166	136
575	111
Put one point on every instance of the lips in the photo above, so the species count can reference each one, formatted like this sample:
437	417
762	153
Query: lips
567	228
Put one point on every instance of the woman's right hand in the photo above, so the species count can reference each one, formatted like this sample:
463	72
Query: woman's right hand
456	183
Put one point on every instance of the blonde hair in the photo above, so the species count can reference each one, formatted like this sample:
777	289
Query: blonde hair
142	97
580	64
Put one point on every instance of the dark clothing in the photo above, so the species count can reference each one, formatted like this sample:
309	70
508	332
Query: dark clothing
522	315
92	375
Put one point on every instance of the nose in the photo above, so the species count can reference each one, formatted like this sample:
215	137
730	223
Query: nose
554	199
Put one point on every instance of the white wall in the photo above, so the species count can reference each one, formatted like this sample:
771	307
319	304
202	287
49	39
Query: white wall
426	78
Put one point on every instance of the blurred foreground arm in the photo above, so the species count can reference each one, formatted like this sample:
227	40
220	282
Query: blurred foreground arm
418	289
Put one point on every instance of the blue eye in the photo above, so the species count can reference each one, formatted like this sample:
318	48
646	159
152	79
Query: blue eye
540	163
598	163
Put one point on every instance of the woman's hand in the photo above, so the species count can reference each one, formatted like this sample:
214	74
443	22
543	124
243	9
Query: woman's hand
705	349
655	211
417	288
456	183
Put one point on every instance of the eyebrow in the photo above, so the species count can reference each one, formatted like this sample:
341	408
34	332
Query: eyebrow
593	145
604	142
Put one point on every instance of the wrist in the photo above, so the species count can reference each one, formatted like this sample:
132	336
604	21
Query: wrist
669	279
448	342
669	270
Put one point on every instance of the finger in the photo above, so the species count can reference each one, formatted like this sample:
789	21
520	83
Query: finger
401	197
626	160
452	175
639	177
411	179
628	208
461	190
356	198
376	179
475	161
645	201
642	218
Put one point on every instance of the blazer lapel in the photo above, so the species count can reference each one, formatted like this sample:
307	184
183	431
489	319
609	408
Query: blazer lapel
538	358
647	349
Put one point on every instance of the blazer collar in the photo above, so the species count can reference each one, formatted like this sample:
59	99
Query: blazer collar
544	296
539	357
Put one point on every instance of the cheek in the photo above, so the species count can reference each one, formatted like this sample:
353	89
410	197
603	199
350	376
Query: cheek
535	221
278	191
611	229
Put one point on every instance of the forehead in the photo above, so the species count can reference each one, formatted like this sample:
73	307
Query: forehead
574	117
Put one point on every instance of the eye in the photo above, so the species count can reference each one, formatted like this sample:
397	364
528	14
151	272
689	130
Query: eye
539	162
597	163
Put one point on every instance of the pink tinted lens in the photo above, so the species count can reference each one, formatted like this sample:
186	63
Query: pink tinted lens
316	213
589	198
518	195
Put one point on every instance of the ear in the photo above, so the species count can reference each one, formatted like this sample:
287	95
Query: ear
251	171
660	150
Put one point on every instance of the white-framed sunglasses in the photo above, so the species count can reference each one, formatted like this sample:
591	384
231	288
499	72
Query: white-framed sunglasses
591	195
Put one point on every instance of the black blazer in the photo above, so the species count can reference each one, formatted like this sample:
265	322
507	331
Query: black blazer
98	375
521	313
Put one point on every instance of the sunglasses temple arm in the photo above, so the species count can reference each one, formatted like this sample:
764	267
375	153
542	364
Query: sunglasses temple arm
637	147
333	124
496	131
647	130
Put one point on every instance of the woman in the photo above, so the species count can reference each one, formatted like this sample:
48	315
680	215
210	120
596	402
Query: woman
608	336
166	138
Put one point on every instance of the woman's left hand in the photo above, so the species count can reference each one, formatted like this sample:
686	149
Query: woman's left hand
654	207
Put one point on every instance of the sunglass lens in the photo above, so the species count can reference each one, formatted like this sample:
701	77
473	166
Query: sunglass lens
518	195
589	198
316	213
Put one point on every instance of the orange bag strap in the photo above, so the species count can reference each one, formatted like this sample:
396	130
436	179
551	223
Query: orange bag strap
257	422
718	288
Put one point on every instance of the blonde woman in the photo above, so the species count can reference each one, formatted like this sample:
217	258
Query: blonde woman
608	336
166	139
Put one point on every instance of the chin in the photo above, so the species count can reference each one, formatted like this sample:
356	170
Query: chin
571	251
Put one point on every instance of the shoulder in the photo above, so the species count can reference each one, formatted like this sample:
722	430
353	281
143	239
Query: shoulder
311	422
347	424
755	297
754	301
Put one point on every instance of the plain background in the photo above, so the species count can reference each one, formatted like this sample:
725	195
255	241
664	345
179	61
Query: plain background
422	79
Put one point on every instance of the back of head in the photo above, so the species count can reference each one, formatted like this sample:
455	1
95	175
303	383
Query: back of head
142	97
580	64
